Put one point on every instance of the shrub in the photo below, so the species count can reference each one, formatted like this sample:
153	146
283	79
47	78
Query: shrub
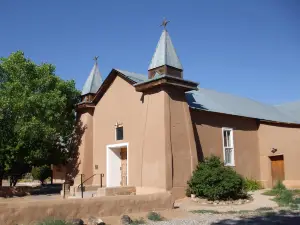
138	221
252	185
214	181
279	186
188	192
284	198
41	173
53	222
276	190
154	216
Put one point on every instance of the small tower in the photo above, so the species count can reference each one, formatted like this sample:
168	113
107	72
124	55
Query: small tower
165	60
85	113
92	84
168	137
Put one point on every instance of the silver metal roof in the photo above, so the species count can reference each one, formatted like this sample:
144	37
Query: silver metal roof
93	82
292	109
165	53
213	101
135	77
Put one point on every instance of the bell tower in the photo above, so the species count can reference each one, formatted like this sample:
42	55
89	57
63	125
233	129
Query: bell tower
169	142
165	60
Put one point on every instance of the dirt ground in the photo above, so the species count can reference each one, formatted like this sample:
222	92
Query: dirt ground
167	214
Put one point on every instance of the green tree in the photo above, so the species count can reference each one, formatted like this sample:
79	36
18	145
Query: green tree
37	114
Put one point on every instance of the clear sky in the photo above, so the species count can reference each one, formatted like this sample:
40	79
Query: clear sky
247	48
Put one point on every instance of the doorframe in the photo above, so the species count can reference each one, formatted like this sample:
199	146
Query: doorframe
108	163
270	168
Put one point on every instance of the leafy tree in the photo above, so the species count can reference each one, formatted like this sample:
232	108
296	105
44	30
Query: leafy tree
41	173
37	114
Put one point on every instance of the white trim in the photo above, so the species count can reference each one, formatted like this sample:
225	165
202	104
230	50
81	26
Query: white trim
108	148
223	145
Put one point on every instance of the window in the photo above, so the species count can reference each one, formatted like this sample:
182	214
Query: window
228	148
119	133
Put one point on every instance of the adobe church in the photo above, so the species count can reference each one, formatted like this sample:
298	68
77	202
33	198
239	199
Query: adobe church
150	131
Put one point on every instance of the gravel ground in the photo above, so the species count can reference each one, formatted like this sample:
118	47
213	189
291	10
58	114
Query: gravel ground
203	219
236	219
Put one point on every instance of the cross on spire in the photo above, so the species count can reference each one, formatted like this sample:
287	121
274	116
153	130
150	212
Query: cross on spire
96	59
164	23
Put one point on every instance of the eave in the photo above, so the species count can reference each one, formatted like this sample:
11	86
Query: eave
166	80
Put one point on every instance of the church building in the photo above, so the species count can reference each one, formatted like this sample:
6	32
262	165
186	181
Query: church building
150	131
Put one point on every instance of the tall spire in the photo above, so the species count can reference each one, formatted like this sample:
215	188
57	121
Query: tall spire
165	53
93	81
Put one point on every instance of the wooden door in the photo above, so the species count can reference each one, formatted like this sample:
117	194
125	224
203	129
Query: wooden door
123	168
277	168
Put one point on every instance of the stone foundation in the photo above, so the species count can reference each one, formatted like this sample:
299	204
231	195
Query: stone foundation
115	191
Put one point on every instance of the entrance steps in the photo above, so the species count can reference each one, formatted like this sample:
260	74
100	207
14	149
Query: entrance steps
86	194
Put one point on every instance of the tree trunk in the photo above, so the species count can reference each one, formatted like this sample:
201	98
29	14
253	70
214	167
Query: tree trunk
1	177
51	177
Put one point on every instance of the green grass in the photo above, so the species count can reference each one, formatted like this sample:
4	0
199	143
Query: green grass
203	211
53	222
270	192
284	197
154	216
261	209
138	221
252	185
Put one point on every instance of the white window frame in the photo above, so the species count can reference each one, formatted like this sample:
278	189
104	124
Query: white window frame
223	144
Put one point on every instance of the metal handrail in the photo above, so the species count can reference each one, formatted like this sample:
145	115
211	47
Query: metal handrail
82	182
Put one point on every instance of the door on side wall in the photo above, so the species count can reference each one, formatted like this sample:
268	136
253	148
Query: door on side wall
123	167
277	168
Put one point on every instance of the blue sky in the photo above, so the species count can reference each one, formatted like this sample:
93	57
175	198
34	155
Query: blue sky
247	48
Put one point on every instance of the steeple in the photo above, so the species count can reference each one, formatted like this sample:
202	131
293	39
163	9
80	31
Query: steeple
165	59
94	80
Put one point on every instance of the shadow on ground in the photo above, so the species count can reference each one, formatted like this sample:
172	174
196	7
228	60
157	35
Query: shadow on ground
269	218
46	189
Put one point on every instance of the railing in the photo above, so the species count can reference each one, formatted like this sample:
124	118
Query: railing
82	182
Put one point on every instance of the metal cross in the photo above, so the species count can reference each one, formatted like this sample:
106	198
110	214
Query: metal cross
96	58
164	23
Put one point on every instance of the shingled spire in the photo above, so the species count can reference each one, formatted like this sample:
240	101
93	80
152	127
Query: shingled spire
165	59
93	82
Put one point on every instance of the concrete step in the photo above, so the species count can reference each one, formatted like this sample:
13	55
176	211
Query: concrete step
86	194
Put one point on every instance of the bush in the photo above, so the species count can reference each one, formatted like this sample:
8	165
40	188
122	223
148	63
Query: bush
41	173
279	186
53	222
252	185
214	181
138	221
188	192
285	198
154	216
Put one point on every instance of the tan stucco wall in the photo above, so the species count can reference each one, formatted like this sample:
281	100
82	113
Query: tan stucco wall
30	212
157	127
286	139
85	156
208	135
142	121
181	141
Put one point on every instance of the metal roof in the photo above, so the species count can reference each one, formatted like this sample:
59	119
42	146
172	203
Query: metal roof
213	101
93	82
135	77
292	109
165	53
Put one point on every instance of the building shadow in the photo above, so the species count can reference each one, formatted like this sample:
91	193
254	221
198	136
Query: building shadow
73	162
269	218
